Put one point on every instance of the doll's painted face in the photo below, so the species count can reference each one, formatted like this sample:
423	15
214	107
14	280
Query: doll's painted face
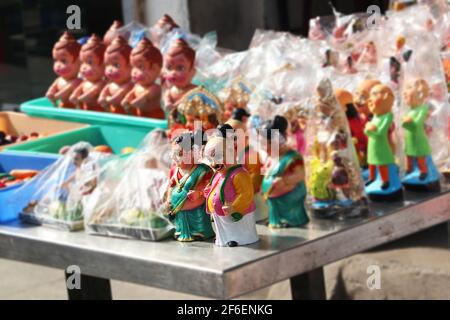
415	93
144	72
178	71
117	68
381	100
92	68
65	64
362	95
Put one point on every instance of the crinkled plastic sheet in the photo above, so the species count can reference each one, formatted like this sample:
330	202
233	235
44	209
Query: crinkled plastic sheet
328	135
57	195
129	199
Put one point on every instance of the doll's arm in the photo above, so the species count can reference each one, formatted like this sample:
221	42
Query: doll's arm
65	92
118	96
295	174
421	116
103	95
244	192
52	91
76	95
91	94
127	101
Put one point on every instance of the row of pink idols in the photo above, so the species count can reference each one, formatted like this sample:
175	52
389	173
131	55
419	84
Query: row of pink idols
107	75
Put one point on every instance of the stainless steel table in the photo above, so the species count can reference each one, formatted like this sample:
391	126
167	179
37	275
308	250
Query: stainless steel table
201	268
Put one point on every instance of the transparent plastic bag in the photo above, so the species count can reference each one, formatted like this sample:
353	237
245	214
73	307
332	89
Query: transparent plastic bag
333	177
128	201
133	32
57	195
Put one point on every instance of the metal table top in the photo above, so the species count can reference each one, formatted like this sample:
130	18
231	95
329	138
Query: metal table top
203	269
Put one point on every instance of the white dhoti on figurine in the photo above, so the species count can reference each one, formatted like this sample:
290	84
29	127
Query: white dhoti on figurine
262	209
242	231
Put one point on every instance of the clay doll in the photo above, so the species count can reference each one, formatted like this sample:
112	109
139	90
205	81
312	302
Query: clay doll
383	183
349	67
229	196
345	99
86	94
185	194
361	98
144	99
118	71
161	28
112	32
178	72
235	96
249	158
66	65
420	173
331	58
283	184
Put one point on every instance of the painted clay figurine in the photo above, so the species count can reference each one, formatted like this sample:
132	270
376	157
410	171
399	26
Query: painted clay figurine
421	174
235	96
185	193
178	72
229	196
66	65
249	158
144	99
345	99
92	71
383	183
118	72
283	184
111	34
361	98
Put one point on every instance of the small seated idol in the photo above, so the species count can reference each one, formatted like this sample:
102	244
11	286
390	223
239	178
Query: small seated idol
66	65
178	72
118	72
111	34
92	71
283	184
185	201
229	195
144	99
161	28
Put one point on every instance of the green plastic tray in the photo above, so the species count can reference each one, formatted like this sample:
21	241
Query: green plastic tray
117	137
42	107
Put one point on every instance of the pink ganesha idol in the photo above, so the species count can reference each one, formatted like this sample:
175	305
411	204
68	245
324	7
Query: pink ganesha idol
66	65
118	72
92	70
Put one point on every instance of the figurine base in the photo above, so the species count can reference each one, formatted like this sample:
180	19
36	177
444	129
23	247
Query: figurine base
51	222
365	174
340	209
393	193
389	197
431	183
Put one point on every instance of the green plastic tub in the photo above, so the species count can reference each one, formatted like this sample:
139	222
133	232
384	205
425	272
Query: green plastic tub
42	107
116	137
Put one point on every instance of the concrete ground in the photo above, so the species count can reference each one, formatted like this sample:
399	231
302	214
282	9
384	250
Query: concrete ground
416	267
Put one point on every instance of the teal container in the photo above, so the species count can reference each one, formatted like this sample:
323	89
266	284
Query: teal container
116	137
42	107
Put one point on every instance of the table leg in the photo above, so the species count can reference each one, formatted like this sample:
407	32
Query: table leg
309	286
92	288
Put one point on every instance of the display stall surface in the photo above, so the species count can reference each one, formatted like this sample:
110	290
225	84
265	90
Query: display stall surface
9	161
116	137
42	107
204	269
22	127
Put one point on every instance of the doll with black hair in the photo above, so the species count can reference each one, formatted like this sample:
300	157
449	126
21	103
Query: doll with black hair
229	195
185	201
283	185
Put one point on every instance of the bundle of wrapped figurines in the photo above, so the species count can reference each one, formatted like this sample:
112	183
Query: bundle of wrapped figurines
288	130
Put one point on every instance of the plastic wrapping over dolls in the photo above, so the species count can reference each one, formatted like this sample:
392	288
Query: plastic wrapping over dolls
334	181
57	196
129	199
